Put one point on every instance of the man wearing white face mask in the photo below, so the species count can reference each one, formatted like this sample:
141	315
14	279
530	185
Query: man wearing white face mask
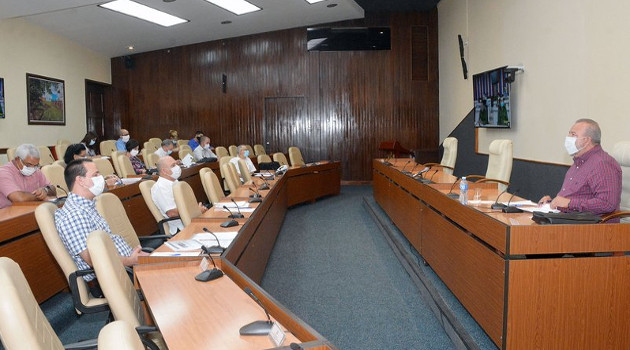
166	148
162	192
21	180
203	151
124	138
78	217
243	153
593	182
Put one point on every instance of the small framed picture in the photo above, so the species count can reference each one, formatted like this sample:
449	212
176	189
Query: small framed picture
46	99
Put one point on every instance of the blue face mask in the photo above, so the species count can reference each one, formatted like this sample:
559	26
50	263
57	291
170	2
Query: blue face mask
246	153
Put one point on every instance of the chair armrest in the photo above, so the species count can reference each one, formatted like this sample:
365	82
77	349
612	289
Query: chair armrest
474	177
163	221
485	179
146	329
82	345
148	343
147	238
438	165
76	298
614	215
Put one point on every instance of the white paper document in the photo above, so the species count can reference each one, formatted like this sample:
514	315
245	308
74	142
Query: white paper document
207	239
545	208
230	204
160	254
130	180
178	246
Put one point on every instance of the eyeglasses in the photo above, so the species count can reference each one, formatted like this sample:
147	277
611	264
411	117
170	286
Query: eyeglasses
29	165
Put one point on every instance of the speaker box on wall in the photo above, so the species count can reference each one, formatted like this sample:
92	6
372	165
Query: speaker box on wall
129	62
224	83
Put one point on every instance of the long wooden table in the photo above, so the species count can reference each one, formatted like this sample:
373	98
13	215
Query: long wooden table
488	259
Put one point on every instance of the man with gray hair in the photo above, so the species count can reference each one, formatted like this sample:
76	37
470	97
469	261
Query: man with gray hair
593	182
243	153
166	148
21	180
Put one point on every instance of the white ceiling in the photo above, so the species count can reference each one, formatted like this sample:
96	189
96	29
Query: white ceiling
111	33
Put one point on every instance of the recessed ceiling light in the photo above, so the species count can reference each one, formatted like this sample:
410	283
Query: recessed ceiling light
314	1
130	47
331	5
134	9
237	7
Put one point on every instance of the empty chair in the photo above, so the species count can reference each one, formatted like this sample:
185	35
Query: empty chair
150	147
231	178
156	141
23	324
45	156
119	335
233	151
181	143
449	157
162	223
11	153
222	161
221	151
244	171
114	158
117	287
259	150
126	168
60	150
150	159
185	150
280	158
499	164
84	302
107	147
104	166
295	156
186	202
54	174
211	185
263	158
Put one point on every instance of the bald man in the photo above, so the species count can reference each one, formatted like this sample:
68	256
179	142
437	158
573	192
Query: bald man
121	142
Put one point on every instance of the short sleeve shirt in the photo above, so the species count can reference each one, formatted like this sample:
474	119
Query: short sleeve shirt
162	194
12	180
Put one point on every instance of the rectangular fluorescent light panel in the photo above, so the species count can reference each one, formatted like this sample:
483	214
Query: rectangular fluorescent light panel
134	9
314	1
237	7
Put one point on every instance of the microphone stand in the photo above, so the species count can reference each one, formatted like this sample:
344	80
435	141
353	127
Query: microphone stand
215	249
256	327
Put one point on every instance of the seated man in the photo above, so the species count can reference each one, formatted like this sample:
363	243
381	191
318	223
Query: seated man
124	137
194	142
78	218
21	180
593	182
203	151
162	192
165	149
243	153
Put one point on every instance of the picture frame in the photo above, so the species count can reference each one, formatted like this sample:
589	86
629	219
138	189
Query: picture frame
2	105
46	100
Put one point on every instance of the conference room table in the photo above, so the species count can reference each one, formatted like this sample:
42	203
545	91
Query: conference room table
529	286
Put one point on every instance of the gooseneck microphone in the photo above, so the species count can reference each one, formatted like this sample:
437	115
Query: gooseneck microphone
403	168
265	185
386	161
229	223
414	168
431	177
61	188
256	327
496	204
240	215
450	193
215	249
254	197
511	209
208	275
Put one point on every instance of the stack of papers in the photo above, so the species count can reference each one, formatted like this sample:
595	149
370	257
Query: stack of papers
225	238
130	180
545	208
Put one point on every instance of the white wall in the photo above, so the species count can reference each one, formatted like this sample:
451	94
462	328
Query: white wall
27	48
575	57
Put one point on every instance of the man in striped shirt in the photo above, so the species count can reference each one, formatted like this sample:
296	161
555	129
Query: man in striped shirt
593	182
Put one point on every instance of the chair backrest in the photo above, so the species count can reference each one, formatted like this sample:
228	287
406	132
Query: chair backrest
111	209
126	169
231	178
242	167
211	185
45	216
450	153
150	160
149	147
295	156
233	150
54	174
263	158
280	158
11	153
145	189
221	152
104	166
60	150
114	280
621	152
114	157
156	141
181	143
107	147
63	142
185	150
259	150
186	202
23	325
45	156
119	335
61	163
500	160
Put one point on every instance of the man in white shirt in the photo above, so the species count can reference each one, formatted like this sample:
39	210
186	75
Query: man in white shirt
243	153
166	148
162	192
203	151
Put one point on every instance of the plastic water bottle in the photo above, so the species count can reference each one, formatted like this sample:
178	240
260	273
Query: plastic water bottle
463	191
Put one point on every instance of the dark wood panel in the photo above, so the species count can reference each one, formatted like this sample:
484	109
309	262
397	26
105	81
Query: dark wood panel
349	101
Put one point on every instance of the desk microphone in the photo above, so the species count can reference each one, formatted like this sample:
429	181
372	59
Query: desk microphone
229	223
419	173
386	161
450	193
265	185
511	209
498	205
422	177
61	188
209	275
431	178
255	197
256	327
414	168
403	168
240	215
215	249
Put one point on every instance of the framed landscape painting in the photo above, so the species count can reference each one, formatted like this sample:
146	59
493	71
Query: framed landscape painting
46	100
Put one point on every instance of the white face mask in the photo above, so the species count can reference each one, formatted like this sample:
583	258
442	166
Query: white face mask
92	142
176	172
134	152
98	185
27	170
206	147
169	151
125	138
570	144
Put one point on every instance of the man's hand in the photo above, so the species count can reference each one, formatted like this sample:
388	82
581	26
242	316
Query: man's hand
545	199
111	180
560	202
133	258
202	208
40	193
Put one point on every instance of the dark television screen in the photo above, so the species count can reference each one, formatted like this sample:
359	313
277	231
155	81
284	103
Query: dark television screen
348	39
491	92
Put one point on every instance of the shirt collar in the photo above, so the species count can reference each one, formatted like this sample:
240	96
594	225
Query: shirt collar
583	158
80	201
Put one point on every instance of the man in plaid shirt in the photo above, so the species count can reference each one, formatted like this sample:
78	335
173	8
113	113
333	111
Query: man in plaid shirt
78	218
593	182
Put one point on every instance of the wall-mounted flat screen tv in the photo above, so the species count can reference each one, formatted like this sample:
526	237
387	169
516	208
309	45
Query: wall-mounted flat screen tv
491	91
